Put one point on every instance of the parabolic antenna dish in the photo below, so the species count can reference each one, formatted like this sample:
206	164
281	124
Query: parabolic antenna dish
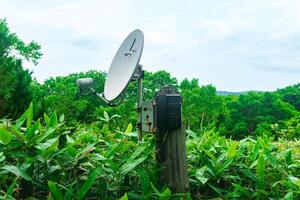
124	65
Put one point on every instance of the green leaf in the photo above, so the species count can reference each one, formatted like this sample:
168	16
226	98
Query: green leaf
2	157
31	131
106	116
29	116
55	192
255	151
166	194
295	180
11	187
289	196
124	197
232	149
47	144
5	135
145	181
47	119
18	134
260	168
61	118
68	194
129	128
21	120
200	175
48	147
222	167
128	166
39	138
53	120
17	171
88	183
288	157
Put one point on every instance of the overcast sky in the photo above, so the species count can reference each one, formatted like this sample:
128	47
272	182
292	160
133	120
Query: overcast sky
235	45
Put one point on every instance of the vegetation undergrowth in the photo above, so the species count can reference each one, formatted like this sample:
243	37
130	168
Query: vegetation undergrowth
44	158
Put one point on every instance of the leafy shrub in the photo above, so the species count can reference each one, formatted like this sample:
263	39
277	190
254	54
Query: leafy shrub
44	158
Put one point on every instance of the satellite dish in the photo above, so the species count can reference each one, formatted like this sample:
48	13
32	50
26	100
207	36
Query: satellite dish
124	65
124	68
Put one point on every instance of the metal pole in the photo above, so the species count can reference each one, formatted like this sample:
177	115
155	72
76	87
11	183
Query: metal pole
139	102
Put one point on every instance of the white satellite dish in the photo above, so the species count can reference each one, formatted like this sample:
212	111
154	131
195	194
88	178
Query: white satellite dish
124	65
124	68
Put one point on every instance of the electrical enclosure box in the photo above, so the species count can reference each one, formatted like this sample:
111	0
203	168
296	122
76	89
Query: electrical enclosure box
147	116
167	112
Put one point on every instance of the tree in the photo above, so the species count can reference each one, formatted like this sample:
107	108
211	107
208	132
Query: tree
201	105
254	112
61	95
15	93
291	95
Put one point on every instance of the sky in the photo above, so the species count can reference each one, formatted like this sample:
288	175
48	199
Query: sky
232	44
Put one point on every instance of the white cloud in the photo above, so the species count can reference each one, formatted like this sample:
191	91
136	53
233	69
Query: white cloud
219	42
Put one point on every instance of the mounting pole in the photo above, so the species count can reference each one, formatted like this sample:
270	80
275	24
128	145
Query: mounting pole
139	101
170	140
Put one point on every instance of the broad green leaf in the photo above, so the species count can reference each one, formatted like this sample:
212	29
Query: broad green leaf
137	152
5	135
69	194
102	189
209	154
47	119
222	167
200	175
48	147
232	149
111	151
166	194
29	116
249	174
2	157
55	192
128	166
288	157
31	131
289	196
72	151
124	197
260	171
217	190
88	183
18	134
70	140
255	151
53	120
260	168
295	180
61	118
145	181
39	138
21	120
240	188
106	116
11	187
129	128
191	133
47	144
16	171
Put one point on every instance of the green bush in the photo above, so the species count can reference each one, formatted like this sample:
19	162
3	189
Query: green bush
44	158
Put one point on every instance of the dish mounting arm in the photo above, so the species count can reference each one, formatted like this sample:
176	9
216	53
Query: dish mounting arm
85	84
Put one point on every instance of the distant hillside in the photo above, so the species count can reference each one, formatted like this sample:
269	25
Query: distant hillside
225	93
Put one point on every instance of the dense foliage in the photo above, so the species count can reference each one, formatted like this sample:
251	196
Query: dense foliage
68	145
15	84
49	159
